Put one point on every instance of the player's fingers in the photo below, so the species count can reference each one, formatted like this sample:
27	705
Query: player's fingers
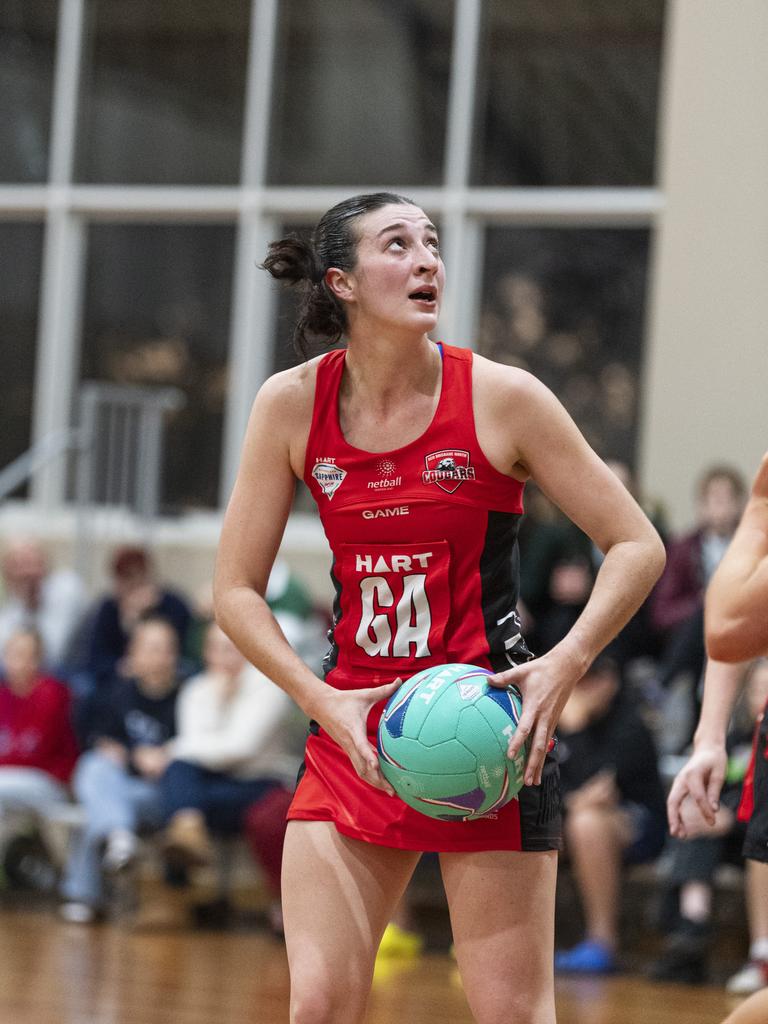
715	784
674	818
367	766
519	737
376	693
698	794
511	677
537	752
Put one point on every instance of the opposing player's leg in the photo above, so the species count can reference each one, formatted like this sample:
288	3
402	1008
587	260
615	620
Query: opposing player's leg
752	1011
338	895
502	908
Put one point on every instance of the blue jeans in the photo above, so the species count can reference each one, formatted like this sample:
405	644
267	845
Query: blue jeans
222	799
112	799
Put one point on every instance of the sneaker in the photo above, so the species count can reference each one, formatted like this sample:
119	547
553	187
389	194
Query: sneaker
186	841
397	943
120	851
752	976
683	956
589	957
74	912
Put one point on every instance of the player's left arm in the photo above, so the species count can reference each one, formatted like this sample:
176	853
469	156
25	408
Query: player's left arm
548	446
736	611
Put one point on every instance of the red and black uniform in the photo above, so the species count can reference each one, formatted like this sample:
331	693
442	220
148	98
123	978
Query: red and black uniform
425	569
753	807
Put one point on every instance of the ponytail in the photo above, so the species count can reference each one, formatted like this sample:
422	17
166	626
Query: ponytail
322	317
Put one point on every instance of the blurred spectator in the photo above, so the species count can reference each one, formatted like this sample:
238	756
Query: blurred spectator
117	782
228	758
694	861
135	593
292	606
614	810
555	572
37	745
50	601
678	600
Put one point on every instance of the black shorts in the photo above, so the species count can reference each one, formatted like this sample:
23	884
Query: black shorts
756	839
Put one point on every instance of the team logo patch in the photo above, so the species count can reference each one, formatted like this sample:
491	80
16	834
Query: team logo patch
329	476
448	469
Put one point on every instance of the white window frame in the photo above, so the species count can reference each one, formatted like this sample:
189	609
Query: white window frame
258	209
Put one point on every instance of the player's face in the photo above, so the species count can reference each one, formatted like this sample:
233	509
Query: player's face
399	277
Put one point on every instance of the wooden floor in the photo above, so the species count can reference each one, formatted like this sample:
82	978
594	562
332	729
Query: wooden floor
54	973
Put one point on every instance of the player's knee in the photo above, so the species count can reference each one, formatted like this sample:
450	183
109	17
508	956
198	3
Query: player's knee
316	1001
587	823
515	1007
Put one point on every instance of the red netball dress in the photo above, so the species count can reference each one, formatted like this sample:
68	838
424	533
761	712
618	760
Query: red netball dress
425	569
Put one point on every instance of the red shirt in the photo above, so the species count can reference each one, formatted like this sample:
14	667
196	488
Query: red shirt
424	543
36	731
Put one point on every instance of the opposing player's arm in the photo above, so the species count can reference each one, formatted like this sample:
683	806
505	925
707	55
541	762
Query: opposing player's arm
736	610
546	445
701	778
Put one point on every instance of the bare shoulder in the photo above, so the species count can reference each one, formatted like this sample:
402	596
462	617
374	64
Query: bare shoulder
281	416
497	380
289	392
505	387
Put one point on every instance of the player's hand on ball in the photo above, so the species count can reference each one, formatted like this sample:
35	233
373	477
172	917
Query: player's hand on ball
699	783
545	685
344	717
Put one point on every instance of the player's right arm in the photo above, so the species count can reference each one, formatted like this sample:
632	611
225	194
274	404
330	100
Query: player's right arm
272	458
701	778
736	615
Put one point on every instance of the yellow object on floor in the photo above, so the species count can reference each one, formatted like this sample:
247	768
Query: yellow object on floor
397	943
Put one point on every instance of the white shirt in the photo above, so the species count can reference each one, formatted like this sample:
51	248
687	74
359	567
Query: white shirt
62	606
247	735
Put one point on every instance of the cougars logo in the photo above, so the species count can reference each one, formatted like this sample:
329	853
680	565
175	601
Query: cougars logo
448	469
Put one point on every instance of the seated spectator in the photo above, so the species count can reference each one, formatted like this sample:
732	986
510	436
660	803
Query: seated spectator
51	601
228	768
37	745
614	810
117	782
694	860
135	593
677	602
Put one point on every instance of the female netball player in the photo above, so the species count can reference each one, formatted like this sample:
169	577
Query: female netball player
416	454
736	629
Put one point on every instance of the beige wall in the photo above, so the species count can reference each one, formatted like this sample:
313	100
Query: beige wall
706	382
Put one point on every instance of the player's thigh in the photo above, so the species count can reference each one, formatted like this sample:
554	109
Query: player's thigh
502	908
338	895
752	1011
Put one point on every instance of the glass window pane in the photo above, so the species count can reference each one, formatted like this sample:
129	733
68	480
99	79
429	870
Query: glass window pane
157	312
27	50
568	93
360	92
163	92
568	305
20	258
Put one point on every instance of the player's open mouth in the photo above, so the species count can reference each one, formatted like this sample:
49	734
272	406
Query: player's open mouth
428	296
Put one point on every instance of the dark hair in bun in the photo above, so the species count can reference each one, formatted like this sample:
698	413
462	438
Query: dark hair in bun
322	317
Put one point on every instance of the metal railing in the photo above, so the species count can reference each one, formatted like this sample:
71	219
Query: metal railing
118	444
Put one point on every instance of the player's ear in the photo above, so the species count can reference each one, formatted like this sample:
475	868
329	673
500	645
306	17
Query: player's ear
340	284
